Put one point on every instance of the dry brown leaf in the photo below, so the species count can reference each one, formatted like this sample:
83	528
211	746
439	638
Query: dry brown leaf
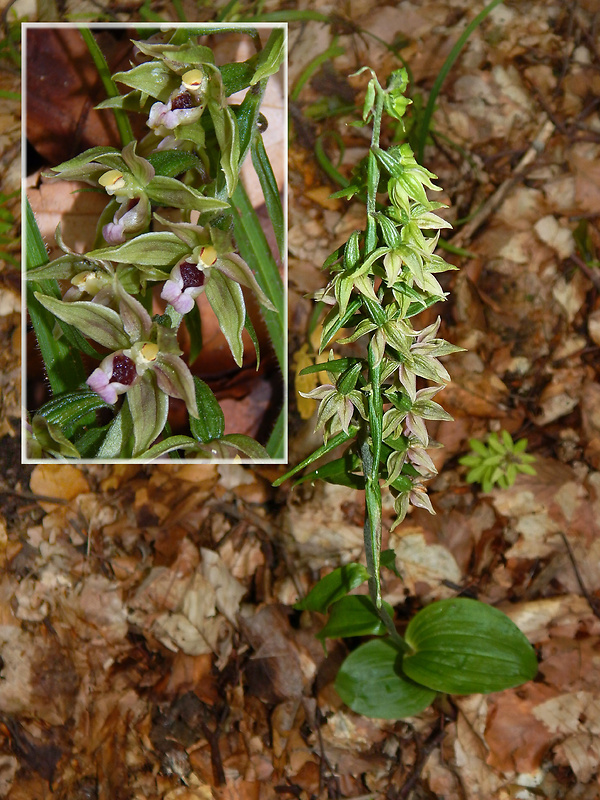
63	481
517	740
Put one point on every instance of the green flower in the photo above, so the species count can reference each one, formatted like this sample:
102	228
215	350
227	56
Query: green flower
337	408
133	184
140	348
408	417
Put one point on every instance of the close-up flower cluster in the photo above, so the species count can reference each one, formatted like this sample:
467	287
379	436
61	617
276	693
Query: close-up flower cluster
166	236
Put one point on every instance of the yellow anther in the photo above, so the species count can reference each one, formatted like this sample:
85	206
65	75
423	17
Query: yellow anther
208	256
81	278
112	180
149	351
193	79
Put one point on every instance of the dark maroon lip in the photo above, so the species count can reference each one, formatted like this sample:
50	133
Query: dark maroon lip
191	275
124	370
183	100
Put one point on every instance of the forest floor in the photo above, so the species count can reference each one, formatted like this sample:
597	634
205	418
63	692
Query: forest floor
149	647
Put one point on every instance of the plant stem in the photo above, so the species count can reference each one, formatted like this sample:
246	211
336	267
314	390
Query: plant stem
373	178
371	452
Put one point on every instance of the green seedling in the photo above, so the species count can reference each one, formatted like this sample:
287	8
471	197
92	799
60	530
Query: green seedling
498	461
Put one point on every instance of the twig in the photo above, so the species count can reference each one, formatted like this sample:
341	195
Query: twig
589	273
35	497
246	515
497	198
432	742
591	600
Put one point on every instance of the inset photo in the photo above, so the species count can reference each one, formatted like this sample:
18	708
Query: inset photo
155	318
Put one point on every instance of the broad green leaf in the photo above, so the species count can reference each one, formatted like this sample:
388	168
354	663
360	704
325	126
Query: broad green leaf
333	587
210	423
461	646
371	682
68	408
168	445
354	615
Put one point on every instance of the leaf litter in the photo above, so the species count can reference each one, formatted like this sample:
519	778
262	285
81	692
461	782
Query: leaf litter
149	645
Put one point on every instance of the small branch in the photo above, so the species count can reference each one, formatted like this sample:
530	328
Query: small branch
432	742
497	198
591	600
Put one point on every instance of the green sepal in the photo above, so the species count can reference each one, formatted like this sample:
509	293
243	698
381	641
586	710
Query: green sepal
171	192
227	301
333	587
100	323
152	78
149	407
147	250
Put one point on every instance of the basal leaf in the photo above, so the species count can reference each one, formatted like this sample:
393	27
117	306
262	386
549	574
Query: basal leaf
461	646
371	682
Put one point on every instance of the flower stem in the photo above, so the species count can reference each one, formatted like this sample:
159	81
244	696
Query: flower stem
370	448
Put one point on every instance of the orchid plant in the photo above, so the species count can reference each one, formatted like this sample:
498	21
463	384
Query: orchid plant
170	231
376	406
